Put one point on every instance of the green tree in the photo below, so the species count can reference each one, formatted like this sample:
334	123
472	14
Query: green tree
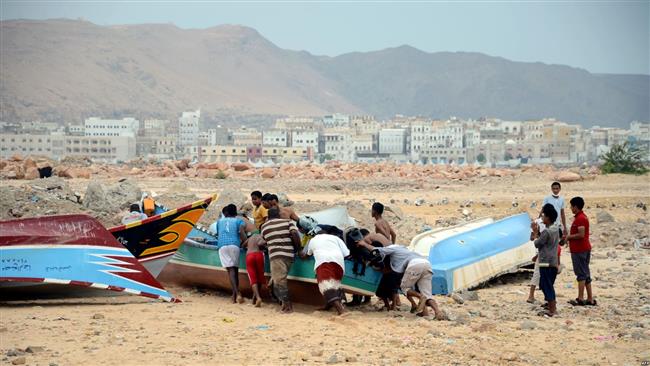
480	158
326	157
624	159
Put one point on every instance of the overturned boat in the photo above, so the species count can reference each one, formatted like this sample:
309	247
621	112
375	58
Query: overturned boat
198	264
153	241
467	255
70	251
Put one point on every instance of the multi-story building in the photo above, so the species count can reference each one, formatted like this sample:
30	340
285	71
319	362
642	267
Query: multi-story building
247	137
218	136
392	141
364	125
50	145
337	144
336	120
275	138
188	128
364	144
101	148
295	123
97	127
166	147
305	138
420	140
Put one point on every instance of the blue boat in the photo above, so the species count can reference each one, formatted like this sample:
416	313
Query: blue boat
468	255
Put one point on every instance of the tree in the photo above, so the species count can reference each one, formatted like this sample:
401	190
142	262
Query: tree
480	158
624	159
326	157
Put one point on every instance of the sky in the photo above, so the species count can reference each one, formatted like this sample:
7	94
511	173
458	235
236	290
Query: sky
599	36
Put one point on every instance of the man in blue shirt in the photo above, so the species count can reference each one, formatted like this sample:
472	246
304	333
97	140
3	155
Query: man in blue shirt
231	233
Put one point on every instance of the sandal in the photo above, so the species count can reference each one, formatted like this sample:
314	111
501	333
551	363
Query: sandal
544	305
577	302
545	314
592	303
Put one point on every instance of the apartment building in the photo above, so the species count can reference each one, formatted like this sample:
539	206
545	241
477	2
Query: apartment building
188	128
305	138
337	144
98	127
275	138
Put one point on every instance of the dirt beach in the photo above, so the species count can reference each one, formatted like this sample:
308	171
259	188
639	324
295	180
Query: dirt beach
492	325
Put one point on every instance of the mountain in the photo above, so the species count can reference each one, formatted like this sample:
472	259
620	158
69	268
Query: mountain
69	70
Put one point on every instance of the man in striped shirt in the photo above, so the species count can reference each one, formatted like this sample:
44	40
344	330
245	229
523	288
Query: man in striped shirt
282	239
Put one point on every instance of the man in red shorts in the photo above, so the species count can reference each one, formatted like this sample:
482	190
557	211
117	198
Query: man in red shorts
255	266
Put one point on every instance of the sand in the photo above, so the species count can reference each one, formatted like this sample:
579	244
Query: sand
498	328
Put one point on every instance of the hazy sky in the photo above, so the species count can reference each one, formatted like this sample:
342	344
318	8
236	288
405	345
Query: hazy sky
602	37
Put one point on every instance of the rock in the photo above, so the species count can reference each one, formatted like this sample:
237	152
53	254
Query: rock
567	177
466	212
527	325
98	316
459	299
419	202
333	359
32	173
14	353
34	349
19	361
95	196
604	216
240	167
317	352
641	220
182	165
509	356
470	295
267	173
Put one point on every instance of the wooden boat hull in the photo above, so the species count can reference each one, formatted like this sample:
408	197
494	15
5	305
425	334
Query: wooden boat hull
71	250
199	265
153	241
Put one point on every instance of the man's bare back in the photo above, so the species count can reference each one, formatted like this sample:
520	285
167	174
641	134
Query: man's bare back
254	243
368	239
288	214
383	227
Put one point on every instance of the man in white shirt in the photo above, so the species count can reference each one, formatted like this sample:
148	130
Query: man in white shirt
329	264
558	202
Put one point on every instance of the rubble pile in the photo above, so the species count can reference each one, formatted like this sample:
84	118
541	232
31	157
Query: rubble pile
18	168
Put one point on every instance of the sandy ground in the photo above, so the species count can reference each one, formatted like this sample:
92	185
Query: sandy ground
498	328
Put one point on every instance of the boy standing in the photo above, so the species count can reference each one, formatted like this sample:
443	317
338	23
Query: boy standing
580	252
558	203
231	233
255	266
382	226
547	243
260	213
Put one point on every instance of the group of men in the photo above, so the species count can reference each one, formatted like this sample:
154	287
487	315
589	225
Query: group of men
278	229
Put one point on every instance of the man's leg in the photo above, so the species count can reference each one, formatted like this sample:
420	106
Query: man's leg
232	276
338	306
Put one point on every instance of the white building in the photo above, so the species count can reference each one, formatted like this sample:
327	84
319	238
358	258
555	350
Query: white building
97	127
363	144
420	143
50	145
305	139
336	120
101	148
188	128
392	141
337	144
275	138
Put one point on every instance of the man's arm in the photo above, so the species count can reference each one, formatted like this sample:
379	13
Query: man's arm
295	239
542	240
242	233
579	235
393	236
564	232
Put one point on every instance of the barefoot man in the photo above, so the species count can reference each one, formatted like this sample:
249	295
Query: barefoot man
329	252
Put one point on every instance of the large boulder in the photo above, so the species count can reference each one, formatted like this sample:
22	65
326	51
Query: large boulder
267	173
567	177
182	165
95	198
604	216
32	173
240	167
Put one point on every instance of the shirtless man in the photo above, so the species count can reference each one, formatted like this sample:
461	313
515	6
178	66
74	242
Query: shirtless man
285	212
369	237
381	225
255	266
